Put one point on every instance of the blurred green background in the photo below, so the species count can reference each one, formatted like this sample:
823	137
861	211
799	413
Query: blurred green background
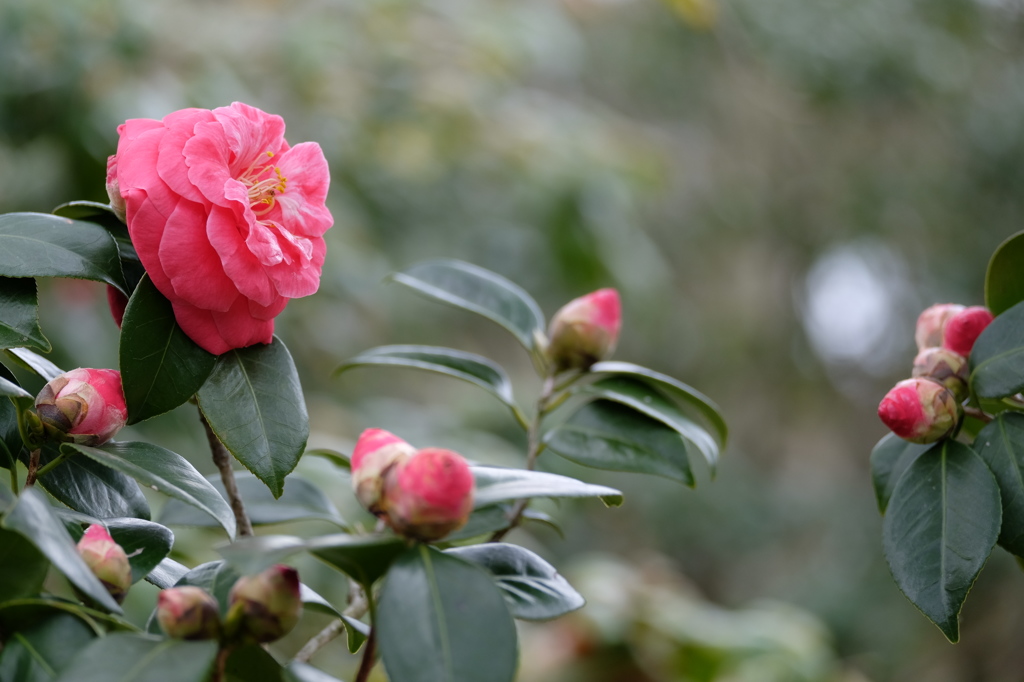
776	187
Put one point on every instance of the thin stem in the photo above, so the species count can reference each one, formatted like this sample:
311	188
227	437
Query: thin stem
52	464
357	608
222	458
222	662
33	468
978	414
14	477
370	652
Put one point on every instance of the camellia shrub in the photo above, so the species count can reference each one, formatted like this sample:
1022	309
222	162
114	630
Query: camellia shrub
214	223
949	479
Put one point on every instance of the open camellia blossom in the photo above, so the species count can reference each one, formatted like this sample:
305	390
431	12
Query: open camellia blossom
227	218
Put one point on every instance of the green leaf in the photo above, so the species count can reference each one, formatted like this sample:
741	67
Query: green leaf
356	630
41	245
1004	287
253	554
146	543
533	589
29	430
34	362
167	573
480	291
31	611
103	215
41	652
165	472
91	487
1001	445
889	459
301	500
940	526
641	397
254	403
443	619
997	359
469	367
22	567
161	368
364	558
122	657
607	435
674	388
19	315
498	484
10	436
251	663
35	520
303	672
336	458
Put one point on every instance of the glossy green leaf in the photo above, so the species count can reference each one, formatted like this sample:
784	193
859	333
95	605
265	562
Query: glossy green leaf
33	518
10	437
22	567
339	459
498	484
34	362
91	487
30	611
146	543
469	367
165	472
364	558
19	315
167	573
161	368
1001	445
889	459
122	657
303	672
254	403
301	500
941	523
356	630
608	435
252	663
443	619
997	360
643	398
480	291
24	404
103	215
41	245
41	652
533	589
1004	287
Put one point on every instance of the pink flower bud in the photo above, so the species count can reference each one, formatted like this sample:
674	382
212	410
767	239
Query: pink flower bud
429	495
114	189
585	330
375	453
264	607
964	328
85	406
106	560
188	612
944	366
920	410
932	323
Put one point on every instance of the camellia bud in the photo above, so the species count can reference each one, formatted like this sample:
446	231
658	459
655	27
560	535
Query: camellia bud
188	612
264	607
920	410
944	366
964	328
106	560
85	406
117	203
429	495
932	323
375	453
585	330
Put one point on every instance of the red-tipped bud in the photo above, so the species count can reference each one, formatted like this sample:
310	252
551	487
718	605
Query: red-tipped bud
429	495
188	612
964	328
264	607
85	406
585	330
117	302
944	366
920	410
106	560
931	324
375	453
117	203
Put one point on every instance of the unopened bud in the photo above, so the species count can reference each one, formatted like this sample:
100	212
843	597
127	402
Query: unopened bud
585	330
107	560
375	453
85	406
920	410
264	607
188	612
429	495
932	323
117	203
964	328
944	366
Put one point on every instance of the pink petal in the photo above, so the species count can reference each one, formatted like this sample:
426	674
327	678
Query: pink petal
192	265
250	133
146	225
293	281
240	265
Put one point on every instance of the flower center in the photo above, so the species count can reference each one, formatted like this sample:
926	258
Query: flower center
264	183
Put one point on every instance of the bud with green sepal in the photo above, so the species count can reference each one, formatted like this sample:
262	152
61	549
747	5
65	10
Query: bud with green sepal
188	612
107	560
84	406
376	452
264	607
584	331
945	367
429	495
920	410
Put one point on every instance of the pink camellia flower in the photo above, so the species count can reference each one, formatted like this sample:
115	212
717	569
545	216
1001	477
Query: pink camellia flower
188	612
429	495
964	328
920	410
107	560
264	607
585	330
376	451
227	218
85	406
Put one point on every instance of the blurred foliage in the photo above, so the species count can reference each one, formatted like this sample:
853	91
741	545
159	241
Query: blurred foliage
706	157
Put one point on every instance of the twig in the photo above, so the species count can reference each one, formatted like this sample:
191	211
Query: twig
369	654
357	608
978	414
222	458
33	468
52	464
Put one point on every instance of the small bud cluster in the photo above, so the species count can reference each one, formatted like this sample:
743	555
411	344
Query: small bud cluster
421	494
927	407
